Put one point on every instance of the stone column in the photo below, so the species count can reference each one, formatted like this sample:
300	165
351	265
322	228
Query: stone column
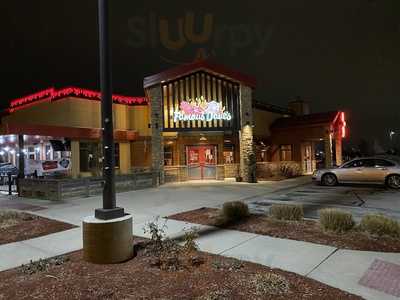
328	150
247	168
75	159
338	149
157	143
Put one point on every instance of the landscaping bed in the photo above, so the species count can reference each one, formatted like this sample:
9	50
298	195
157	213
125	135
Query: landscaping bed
18	226
151	275
305	230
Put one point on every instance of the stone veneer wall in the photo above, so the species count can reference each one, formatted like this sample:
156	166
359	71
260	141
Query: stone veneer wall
157	145
176	173
60	189
220	172
247	156
231	170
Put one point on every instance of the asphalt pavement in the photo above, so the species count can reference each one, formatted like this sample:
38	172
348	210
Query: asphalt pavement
357	199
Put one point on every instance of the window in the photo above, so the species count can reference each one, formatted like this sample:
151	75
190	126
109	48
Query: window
228	154
168	156
286	152
89	155
48	152
354	164
31	153
368	163
383	163
359	163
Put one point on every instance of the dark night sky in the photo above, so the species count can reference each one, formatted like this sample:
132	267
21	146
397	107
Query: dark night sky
338	54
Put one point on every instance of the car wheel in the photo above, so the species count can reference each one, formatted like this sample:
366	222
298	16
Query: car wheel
393	181
329	180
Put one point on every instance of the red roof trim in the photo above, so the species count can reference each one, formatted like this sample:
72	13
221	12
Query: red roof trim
196	66
51	94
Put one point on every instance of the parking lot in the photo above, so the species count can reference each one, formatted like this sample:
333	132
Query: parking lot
359	200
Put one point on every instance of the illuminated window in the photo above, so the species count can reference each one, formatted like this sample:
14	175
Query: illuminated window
228	154
48	152
286	152
168	156
89	155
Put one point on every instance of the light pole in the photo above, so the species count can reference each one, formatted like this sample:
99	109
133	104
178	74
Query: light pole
107	236
109	210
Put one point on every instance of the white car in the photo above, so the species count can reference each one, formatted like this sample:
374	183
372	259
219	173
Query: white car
373	170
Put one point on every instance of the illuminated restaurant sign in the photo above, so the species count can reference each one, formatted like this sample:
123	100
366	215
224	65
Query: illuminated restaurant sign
202	110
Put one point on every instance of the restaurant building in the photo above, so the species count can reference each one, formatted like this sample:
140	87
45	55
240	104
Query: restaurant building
196	121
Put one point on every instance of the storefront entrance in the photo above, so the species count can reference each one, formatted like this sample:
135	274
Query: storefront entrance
201	161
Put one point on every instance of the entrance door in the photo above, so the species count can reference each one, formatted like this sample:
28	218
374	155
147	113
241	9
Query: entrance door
307	158
201	161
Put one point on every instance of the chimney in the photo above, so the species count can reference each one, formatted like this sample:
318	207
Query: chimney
299	106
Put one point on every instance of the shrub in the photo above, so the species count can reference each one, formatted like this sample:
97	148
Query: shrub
380	225
157	233
288	212
8	218
42	265
290	170
332	219
167	254
189	240
234	211
270	284
8	214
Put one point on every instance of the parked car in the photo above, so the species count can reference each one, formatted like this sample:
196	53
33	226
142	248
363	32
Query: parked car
6	168
373	170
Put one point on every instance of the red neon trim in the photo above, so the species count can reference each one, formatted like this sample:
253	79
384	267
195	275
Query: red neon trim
340	123
343	124
51	94
31	98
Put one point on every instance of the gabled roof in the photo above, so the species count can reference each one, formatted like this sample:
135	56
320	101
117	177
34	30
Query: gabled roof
272	108
205	65
307	120
51	94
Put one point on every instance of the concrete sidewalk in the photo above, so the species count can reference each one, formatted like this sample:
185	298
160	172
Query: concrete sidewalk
338	268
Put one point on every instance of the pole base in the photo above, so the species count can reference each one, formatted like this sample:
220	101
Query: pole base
107	241
109	213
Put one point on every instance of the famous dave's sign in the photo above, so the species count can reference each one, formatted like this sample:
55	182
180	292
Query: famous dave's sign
202	110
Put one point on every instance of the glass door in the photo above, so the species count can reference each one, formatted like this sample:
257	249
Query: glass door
208	165
307	158
201	162
193	162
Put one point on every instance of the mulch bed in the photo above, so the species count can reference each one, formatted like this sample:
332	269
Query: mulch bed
215	278
306	230
26	226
